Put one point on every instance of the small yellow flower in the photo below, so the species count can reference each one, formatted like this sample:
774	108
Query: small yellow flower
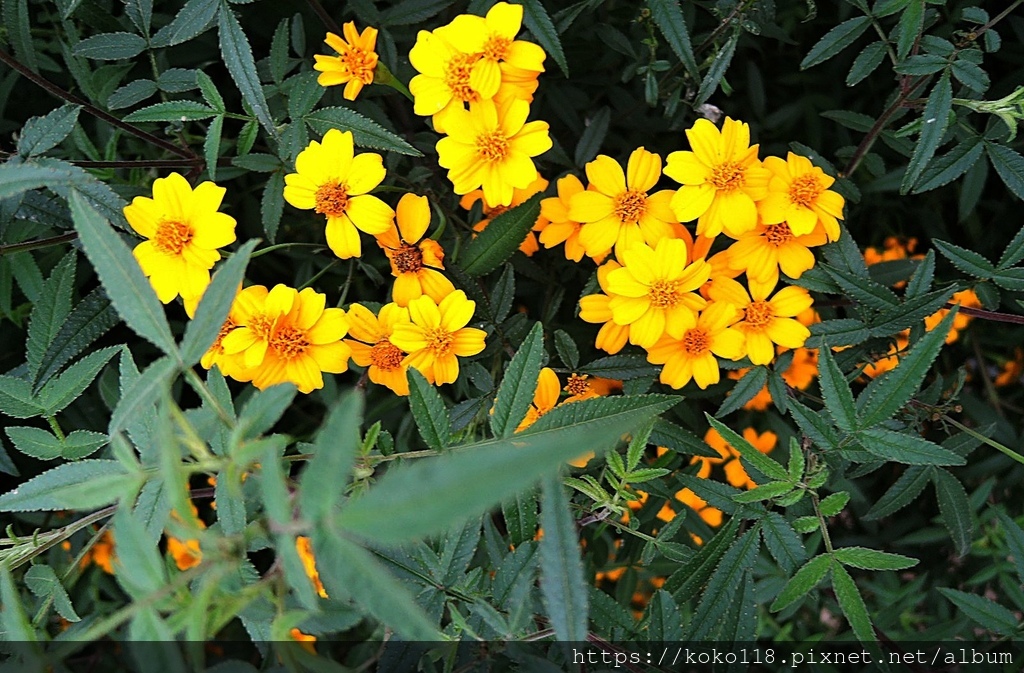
416	262
371	345
692	356
304	547
730	457
492	147
437	336
519	197
331	179
721	178
761	253
765	321
229	365
355	62
184	231
616	210
560	228
798	193
287	335
596	308
545	397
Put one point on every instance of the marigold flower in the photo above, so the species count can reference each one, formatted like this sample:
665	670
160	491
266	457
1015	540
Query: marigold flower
692	355
519	197
374	349
721	178
545	397
765	321
800	374
184	230
287	335
100	554
304	547
761	253
596	308
729	457
798	193
331	179
445	81
560	228
616	210
414	260
186	553
229	365
492	147
355	62
437	336
584	387
653	291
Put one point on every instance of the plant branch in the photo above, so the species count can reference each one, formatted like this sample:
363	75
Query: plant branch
879	125
35	244
328	20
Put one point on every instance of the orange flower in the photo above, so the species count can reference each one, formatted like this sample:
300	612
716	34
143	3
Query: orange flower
416	262
355	62
305	549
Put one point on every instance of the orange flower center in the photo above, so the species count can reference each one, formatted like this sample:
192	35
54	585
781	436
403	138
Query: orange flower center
696	341
496	48
804	190
359	63
456	77
386	356
665	293
172	236
289	342
407	259
439	340
577	384
492	146
331	199
758	314
262	325
630	205
225	329
778	234
728	176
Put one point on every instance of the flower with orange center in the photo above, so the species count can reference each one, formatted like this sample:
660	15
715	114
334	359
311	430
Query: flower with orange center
355	62
332	180
287	335
519	197
437	336
545	397
798	193
616	210
304	547
371	345
653	292
596	308
492	146
692	354
416	262
761	253
445	81
229	365
584	387
184	230
961	321
729	457
722	178
765	321
560	228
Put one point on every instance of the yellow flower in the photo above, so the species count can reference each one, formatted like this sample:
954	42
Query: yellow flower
374	348
721	178
560	227
692	355
734	472
492	147
616	210
653	291
445	80
186	554
765	321
184	231
437	336
229	365
355	62
798	193
519	197
287	335
596	308
414	260
305	550
545	397
771	247
332	180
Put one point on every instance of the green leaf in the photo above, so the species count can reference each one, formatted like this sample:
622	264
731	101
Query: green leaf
836	391
745	390
872	559
724	582
325	477
956	510
1014	540
904	491
971	75
922	279
177	80
518	384
404	505
42	581
58	393
1014	251
987	613
520	514
685	582
950	166
621	367
41	134
16	398
834	504
408	12
87	484
172	111
142	393
910	312
194	18
852	604
209	91
909	27
802	582
213	308
429	411
679	439
835	40
365	132
19	32
90	319
863	290
81	443
128	289
237	55
272	204
500	239
838	332
567	350
922	64
264	409
50	312
667	15
934	121
138	564
131	93
907	449
14	622
561	570
755	458
110	46
141	14
666	623
34	442
883	397
537	21
867	62
772	489
782	541
593	135
966	260
713	77
1009	164
211	145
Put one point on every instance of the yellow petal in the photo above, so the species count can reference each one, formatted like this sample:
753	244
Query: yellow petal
413	215
605	175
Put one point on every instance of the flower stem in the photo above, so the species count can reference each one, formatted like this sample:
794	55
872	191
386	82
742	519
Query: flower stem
982	438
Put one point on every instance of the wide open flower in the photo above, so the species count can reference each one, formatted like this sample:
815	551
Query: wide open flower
617	211
415	261
761	253
798	193
693	355
437	336
765	321
654	291
355	62
519	197
288	335
492	147
374	349
721	178
445	80
184	231
729	457
333	180
596	308
560	228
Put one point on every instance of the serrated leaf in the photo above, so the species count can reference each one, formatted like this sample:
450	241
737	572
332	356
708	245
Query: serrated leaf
749	385
408	12
772	489
177	80
34	442
836	391
86	484
1014	251
834	504
520	514
175	110
537	21
909	27
139	567
81	443
13	621
211	145
867	62
58	393
567	350
143	392
41	134
910	312
863	290
802	582
621	367
934	121
16	398
1014	540
688	579
678	439
667	15
907	449
365	132
1009	165
872	559
835	40
518	384
90	319
110	46
323	480
950	166
987	613
50	312
971	75
758	460
838	332
852	604
194	18
131	93
782	542
725	581
428	411
904	491
237	55
665	623
922	64
561	570
966	260
713	77
503	294
955	509
213	308
594	134
500	239
272	204
42	581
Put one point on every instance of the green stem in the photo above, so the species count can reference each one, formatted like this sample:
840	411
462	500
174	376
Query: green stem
283	246
821	523
383	76
37	244
55	426
200	387
319	274
982	438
